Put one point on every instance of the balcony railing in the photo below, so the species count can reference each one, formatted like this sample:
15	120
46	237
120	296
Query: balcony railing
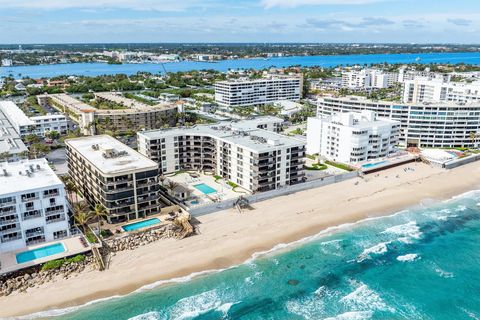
32	242
7	222
61	218
29	234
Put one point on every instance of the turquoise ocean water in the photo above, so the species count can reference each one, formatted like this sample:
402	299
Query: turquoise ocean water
94	69
421	263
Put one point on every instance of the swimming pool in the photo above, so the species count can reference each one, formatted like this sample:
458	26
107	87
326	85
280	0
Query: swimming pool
141	224
371	165
39	253
206	189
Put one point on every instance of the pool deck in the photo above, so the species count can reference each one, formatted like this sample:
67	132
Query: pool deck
223	190
73	246
162	216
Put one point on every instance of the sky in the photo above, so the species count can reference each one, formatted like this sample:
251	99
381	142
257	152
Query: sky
97	21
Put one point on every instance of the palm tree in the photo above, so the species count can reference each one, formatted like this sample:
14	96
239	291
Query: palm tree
81	215
473	137
99	212
171	185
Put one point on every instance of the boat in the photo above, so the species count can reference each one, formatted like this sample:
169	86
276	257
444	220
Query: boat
418	59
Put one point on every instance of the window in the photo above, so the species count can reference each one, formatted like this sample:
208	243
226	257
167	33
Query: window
60	234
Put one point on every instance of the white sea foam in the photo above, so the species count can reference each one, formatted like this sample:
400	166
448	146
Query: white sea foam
409	231
194	306
352	315
470	314
364	299
311	307
153	315
444	274
378	249
408	257
330	230
60	312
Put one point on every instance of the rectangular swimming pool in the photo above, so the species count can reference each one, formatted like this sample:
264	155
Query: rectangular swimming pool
39	253
206	189
141	224
371	165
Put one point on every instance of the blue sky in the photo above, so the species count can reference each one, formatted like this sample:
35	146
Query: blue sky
59	21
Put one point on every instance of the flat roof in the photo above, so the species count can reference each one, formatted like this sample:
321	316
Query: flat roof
15	114
131	105
259	140
131	160
259	80
10	141
17	179
400	103
48	116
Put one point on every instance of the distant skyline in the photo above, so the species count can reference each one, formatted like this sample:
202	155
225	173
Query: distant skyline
363	21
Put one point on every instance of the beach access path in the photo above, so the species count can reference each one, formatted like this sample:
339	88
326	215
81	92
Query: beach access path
228	238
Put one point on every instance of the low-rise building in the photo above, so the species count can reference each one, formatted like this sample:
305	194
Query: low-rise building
255	159
254	92
107	172
33	207
352	137
133	117
288	108
17	118
11	145
49	123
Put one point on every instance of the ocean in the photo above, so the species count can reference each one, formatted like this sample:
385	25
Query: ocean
95	69
420	263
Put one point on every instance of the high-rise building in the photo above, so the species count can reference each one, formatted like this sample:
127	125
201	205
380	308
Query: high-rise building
33	207
425	90
352	137
434	125
109	173
256	159
254	92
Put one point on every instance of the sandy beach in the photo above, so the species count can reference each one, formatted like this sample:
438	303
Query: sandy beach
228	238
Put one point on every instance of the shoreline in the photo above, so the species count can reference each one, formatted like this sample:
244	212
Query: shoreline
273	223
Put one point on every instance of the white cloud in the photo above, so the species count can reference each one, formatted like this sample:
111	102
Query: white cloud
298	3
158	5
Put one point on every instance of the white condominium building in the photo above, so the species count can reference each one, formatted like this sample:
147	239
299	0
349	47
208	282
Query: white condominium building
439	125
368	79
50	122
352	137
405	75
255	159
252	92
425	90
11	145
33	208
17	118
39	125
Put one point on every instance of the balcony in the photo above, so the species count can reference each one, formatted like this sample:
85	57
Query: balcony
35	241
51	195
29	234
10	221
59	219
4	204
9	230
18	236
28	199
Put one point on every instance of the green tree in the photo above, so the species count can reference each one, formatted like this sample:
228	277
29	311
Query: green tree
99	212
